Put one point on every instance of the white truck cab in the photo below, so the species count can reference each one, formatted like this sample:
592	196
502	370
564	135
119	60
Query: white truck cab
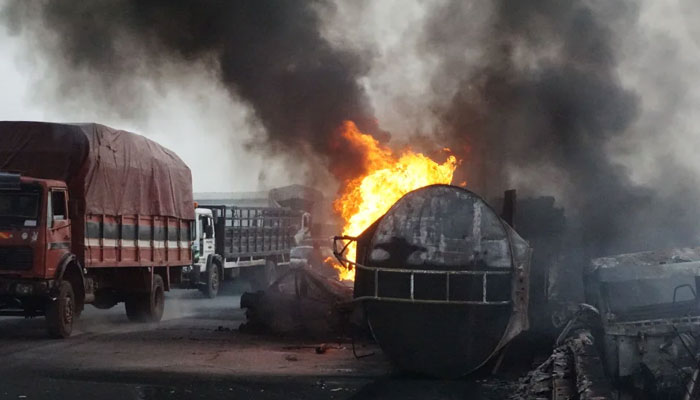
203	244
206	270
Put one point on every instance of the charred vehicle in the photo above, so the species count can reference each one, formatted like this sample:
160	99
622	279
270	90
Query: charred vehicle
89	214
251	242
316	255
649	320
443	281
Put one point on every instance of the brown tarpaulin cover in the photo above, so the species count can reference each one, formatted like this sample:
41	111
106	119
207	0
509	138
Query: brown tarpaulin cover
110	171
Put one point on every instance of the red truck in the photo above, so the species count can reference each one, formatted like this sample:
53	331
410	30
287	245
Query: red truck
89	214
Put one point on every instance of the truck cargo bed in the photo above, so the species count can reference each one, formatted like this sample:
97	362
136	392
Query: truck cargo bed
244	232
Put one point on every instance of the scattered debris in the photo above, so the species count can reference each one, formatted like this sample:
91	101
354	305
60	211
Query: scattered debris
319	349
573	371
302	302
221	328
325	347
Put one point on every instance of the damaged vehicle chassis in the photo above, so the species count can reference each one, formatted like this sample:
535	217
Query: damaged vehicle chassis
649	323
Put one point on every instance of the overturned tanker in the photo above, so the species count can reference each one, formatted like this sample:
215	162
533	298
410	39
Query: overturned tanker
443	281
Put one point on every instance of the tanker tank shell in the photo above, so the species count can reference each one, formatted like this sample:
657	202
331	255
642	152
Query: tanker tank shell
443	280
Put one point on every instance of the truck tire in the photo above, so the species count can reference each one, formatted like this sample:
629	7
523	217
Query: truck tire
60	313
214	278
147	307
133	305
263	276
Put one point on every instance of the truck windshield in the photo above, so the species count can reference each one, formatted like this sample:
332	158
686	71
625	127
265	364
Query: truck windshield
19	205
653	298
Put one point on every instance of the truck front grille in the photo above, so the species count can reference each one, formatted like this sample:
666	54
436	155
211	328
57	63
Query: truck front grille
16	258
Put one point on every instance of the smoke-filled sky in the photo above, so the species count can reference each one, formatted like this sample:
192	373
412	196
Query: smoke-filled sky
594	102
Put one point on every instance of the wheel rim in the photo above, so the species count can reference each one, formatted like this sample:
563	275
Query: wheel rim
68	311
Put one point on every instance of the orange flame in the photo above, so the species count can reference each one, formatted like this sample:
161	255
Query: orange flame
388	178
344	274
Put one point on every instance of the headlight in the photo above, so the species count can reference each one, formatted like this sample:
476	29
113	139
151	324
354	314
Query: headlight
23	289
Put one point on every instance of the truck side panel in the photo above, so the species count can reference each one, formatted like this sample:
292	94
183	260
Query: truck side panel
258	232
135	241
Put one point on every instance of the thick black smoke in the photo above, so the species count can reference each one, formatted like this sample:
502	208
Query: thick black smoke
268	53
545	96
535	95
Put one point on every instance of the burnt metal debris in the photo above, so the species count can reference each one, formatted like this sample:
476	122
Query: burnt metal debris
650	319
443	281
574	370
301	302
637	337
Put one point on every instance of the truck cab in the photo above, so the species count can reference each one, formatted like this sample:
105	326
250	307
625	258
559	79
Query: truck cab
204	242
89	215
205	273
650	319
35	246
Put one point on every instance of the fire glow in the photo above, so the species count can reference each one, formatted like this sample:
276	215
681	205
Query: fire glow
388	177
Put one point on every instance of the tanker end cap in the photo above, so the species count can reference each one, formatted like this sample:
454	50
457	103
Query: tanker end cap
9	181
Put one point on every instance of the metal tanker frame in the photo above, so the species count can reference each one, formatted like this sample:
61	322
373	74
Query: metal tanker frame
443	281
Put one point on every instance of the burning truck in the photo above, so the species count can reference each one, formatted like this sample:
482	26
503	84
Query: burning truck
426	258
442	265
444	283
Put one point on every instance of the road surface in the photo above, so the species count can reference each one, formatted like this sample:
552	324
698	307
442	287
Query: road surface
196	352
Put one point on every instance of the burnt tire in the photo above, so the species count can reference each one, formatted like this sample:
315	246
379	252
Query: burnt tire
263	276
147	307
214	279
60	313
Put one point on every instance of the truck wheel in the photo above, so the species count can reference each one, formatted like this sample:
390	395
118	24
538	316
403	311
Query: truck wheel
60	313
264	276
156	303
147	307
211	288
134	305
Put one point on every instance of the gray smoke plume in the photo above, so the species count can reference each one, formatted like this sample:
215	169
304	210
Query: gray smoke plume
542	102
269	54
527	93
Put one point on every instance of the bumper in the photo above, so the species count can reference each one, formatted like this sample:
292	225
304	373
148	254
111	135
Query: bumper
191	275
15	287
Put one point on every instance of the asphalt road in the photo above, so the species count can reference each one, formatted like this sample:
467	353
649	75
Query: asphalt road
196	352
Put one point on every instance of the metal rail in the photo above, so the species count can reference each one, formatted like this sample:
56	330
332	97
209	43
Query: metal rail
339	254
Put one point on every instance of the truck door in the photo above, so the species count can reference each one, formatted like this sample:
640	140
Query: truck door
58	237
207	244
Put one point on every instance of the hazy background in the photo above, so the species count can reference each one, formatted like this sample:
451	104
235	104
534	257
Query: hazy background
594	102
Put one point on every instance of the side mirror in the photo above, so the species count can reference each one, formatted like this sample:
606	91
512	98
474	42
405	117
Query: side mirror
209	231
